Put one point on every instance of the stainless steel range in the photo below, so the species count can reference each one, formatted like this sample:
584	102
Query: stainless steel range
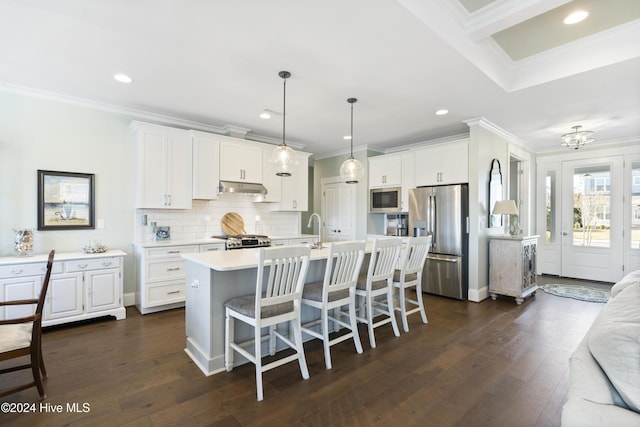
243	241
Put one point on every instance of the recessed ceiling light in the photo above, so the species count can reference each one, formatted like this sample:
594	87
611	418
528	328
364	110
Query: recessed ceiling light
575	17
265	115
442	112
347	137
122	78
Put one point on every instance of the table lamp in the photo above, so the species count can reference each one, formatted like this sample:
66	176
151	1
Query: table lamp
508	208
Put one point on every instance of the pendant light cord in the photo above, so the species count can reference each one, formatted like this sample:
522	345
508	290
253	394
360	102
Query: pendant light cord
351	130
284	108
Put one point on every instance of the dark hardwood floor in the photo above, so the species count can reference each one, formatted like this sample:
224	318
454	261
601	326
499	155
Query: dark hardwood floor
492	363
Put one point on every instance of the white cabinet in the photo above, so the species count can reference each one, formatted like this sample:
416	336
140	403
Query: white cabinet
82	286
294	241
289	193
164	160
206	165
160	275
385	171
295	188
446	163
271	181
512	266
240	160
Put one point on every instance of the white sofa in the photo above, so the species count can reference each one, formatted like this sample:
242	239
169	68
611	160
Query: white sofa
604	385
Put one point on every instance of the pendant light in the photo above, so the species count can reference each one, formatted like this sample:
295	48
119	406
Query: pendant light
283	158
351	169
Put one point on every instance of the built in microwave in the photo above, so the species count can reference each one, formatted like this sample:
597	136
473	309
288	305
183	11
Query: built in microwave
385	199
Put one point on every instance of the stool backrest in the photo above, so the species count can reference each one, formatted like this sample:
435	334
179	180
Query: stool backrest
417	249
287	270
384	259
343	267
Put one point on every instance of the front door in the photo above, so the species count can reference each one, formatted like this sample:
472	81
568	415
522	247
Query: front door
592	218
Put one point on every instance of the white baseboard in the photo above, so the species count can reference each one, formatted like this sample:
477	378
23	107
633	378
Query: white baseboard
129	299
477	295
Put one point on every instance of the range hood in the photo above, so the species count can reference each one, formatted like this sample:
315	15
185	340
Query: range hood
233	187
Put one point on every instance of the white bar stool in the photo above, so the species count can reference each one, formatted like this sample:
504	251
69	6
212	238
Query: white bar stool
280	302
335	291
409	276
377	282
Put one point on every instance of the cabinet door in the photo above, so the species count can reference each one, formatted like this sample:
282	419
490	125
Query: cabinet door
385	171
103	289
240	162
152	167
179	171
19	288
427	166
64	297
271	181
206	166
454	164
252	164
295	191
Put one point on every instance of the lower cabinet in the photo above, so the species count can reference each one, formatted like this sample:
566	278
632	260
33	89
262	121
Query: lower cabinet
81	286
512	266
160	275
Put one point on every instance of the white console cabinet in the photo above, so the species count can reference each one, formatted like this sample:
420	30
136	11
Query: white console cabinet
512	266
82	286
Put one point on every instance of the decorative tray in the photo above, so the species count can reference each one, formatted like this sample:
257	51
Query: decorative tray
98	249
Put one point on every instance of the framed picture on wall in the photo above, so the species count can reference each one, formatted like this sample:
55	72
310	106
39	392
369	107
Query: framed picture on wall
65	200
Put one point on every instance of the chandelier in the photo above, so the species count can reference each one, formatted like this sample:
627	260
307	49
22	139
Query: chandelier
577	138
351	169
283	158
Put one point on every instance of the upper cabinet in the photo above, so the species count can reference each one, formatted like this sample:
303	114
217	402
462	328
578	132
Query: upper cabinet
164	156
240	160
385	171
446	163
206	165
289	193
295	188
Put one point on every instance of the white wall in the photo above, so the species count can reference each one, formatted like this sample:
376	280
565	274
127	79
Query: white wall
38	133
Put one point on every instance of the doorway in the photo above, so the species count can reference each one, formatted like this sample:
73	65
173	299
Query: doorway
338	209
581	218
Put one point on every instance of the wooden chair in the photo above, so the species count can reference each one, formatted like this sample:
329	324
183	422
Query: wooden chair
378	282
23	337
335	291
410	276
278	303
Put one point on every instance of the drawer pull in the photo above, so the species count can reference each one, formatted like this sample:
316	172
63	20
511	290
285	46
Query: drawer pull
16	271
173	252
173	269
106	263
212	249
173	292
82	265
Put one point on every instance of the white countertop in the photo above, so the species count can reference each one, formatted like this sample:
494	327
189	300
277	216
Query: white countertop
206	241
60	256
510	237
241	259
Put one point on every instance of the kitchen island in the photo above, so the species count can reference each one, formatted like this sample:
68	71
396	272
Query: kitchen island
215	277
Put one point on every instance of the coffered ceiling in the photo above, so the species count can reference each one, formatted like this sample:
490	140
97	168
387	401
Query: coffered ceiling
214	65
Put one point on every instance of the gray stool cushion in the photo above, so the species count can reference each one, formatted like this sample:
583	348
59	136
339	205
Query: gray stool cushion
313	292
362	283
408	278
247	305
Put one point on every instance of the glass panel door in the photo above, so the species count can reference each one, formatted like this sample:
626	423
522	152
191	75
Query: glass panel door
592	219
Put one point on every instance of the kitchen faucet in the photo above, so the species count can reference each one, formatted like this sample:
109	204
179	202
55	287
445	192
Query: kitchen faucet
319	242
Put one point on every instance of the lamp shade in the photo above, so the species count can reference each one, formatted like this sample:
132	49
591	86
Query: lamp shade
505	207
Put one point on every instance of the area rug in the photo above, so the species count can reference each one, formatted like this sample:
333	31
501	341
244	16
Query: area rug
579	292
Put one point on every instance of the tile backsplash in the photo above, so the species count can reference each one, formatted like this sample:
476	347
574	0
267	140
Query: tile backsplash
203	219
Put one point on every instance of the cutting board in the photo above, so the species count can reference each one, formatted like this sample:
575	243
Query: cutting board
232	223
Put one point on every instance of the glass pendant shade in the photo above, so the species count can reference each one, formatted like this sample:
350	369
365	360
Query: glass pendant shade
351	169
283	158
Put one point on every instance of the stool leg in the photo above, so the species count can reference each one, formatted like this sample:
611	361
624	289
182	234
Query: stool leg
354	325
258	357
325	338
403	307
391	310
302	361
372	338
423	313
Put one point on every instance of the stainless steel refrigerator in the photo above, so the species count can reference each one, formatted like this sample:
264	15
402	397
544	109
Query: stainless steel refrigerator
443	212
